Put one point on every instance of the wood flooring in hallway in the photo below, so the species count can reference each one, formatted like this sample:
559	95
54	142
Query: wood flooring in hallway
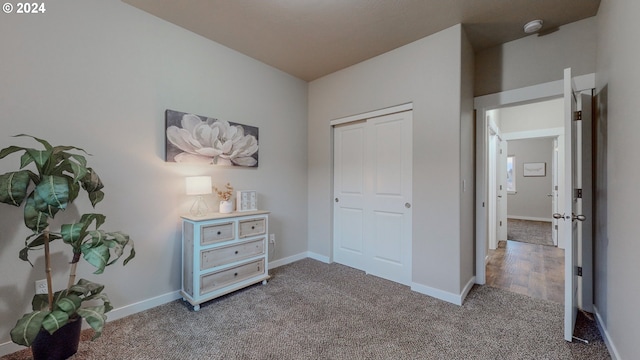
529	269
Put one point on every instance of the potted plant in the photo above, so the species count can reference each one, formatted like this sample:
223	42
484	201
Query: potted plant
47	181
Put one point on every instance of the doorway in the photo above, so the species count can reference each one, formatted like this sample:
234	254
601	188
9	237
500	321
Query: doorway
522	255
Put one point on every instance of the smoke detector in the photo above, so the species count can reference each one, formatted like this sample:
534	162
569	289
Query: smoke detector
532	26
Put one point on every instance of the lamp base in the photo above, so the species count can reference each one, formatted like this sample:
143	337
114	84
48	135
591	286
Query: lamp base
199	207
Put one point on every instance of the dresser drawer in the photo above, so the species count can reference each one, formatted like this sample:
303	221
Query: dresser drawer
220	279
216	233
232	253
251	227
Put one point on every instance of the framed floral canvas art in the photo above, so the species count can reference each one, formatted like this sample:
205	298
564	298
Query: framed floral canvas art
193	138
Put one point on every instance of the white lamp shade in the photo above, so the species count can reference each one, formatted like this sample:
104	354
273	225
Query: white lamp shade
198	185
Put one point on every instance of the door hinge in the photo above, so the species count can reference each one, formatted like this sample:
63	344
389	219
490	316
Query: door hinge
500	222
579	270
578	194
577	115
556	227
500	151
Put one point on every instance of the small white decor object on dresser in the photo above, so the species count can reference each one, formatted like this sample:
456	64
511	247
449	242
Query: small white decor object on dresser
247	200
222	253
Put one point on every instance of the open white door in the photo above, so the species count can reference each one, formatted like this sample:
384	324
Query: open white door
572	205
554	190
502	190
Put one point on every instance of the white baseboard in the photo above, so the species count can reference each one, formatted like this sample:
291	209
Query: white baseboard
322	258
605	335
143	305
288	260
9	348
303	255
532	218
456	299
467	288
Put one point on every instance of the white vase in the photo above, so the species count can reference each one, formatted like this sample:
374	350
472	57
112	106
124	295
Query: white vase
226	207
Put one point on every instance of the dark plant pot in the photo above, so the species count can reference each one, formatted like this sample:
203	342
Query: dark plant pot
59	346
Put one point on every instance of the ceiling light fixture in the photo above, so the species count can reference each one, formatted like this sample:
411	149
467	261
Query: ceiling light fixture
532	26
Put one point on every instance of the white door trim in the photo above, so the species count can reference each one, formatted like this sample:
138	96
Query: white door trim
372	114
483	104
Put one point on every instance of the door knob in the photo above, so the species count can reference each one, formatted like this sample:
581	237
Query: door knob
559	216
407	205
549	195
572	217
337	200
578	217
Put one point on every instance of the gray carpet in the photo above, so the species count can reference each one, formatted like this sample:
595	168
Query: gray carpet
533	232
311	310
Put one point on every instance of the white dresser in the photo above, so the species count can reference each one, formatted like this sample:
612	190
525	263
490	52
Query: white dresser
222	253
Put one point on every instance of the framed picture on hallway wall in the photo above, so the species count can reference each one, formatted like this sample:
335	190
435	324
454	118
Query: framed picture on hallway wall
534	169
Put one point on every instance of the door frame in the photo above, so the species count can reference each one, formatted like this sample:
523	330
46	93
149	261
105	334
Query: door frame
482	104
556	169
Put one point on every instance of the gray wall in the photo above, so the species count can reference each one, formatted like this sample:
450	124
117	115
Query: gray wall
428	74
531	200
537	59
99	75
467	168
617	248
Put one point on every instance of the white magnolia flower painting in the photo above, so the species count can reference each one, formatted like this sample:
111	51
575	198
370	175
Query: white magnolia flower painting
198	139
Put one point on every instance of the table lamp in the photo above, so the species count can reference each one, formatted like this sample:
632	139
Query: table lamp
198	185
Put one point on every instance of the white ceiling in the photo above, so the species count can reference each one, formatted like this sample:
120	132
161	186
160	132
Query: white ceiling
312	38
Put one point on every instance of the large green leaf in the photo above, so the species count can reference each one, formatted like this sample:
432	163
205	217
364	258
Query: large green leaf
74	190
28	327
86	288
95	197
41	141
54	190
95	317
10	150
55	320
34	219
39	157
96	255
35	243
73	234
98	218
13	187
40	302
69	304
91	181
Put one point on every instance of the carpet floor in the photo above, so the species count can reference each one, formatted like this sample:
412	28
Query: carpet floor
312	310
533	232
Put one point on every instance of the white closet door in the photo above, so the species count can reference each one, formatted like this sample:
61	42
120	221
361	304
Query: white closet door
349	195
372	182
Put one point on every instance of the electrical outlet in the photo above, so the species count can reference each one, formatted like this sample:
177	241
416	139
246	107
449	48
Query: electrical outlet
272	238
41	286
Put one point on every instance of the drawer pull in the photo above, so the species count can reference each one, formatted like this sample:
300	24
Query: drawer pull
235	274
236	252
219	232
253	228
